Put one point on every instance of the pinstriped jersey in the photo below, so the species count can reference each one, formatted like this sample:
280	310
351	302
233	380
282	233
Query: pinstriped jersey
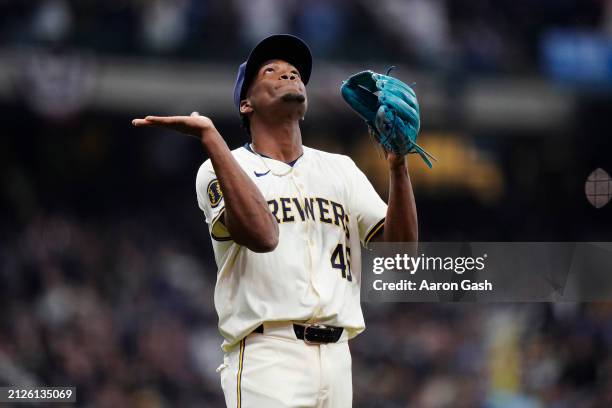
326	209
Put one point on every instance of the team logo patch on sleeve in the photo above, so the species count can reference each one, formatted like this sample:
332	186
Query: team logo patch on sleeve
215	195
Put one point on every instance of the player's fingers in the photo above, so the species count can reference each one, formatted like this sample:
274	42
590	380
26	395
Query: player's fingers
156	121
167	120
159	119
140	122
195	114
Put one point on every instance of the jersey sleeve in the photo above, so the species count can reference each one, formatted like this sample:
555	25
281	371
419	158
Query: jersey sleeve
210	201
367	208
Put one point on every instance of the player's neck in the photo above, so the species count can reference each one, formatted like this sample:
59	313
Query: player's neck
279	141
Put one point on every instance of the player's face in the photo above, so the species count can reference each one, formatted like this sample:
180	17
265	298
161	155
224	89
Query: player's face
278	85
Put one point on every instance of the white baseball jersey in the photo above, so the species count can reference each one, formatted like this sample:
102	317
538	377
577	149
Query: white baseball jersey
326	208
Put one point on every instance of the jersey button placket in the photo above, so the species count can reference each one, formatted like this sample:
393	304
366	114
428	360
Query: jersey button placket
300	188
307	232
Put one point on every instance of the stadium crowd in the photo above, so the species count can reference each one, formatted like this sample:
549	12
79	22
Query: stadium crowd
126	315
479	36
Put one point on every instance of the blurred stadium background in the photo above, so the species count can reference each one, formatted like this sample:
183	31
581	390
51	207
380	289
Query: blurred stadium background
106	269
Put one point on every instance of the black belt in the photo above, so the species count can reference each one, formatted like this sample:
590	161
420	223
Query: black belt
313	333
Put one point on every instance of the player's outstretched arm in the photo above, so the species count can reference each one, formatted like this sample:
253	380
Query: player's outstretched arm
247	216
401	223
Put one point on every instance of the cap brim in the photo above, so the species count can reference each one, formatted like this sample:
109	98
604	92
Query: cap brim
285	47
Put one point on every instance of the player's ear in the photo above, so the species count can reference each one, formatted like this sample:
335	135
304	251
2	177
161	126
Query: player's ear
245	107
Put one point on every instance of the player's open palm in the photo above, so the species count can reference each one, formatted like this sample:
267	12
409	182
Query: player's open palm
192	125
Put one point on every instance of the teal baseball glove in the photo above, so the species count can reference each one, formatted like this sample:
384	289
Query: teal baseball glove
389	108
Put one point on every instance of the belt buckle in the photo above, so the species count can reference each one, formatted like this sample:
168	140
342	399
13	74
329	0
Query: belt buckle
308	326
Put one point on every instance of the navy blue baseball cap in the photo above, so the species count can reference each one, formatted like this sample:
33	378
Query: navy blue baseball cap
286	47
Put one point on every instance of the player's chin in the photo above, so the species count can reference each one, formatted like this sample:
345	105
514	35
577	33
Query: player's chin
293	97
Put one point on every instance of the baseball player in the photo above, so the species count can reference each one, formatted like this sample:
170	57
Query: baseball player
287	223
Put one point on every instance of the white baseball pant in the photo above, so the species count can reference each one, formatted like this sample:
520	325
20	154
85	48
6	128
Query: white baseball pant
276	370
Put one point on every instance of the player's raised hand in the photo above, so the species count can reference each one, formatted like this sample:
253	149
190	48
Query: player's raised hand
395	160
193	125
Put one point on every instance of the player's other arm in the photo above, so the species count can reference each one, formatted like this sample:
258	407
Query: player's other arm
401	223
247	216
